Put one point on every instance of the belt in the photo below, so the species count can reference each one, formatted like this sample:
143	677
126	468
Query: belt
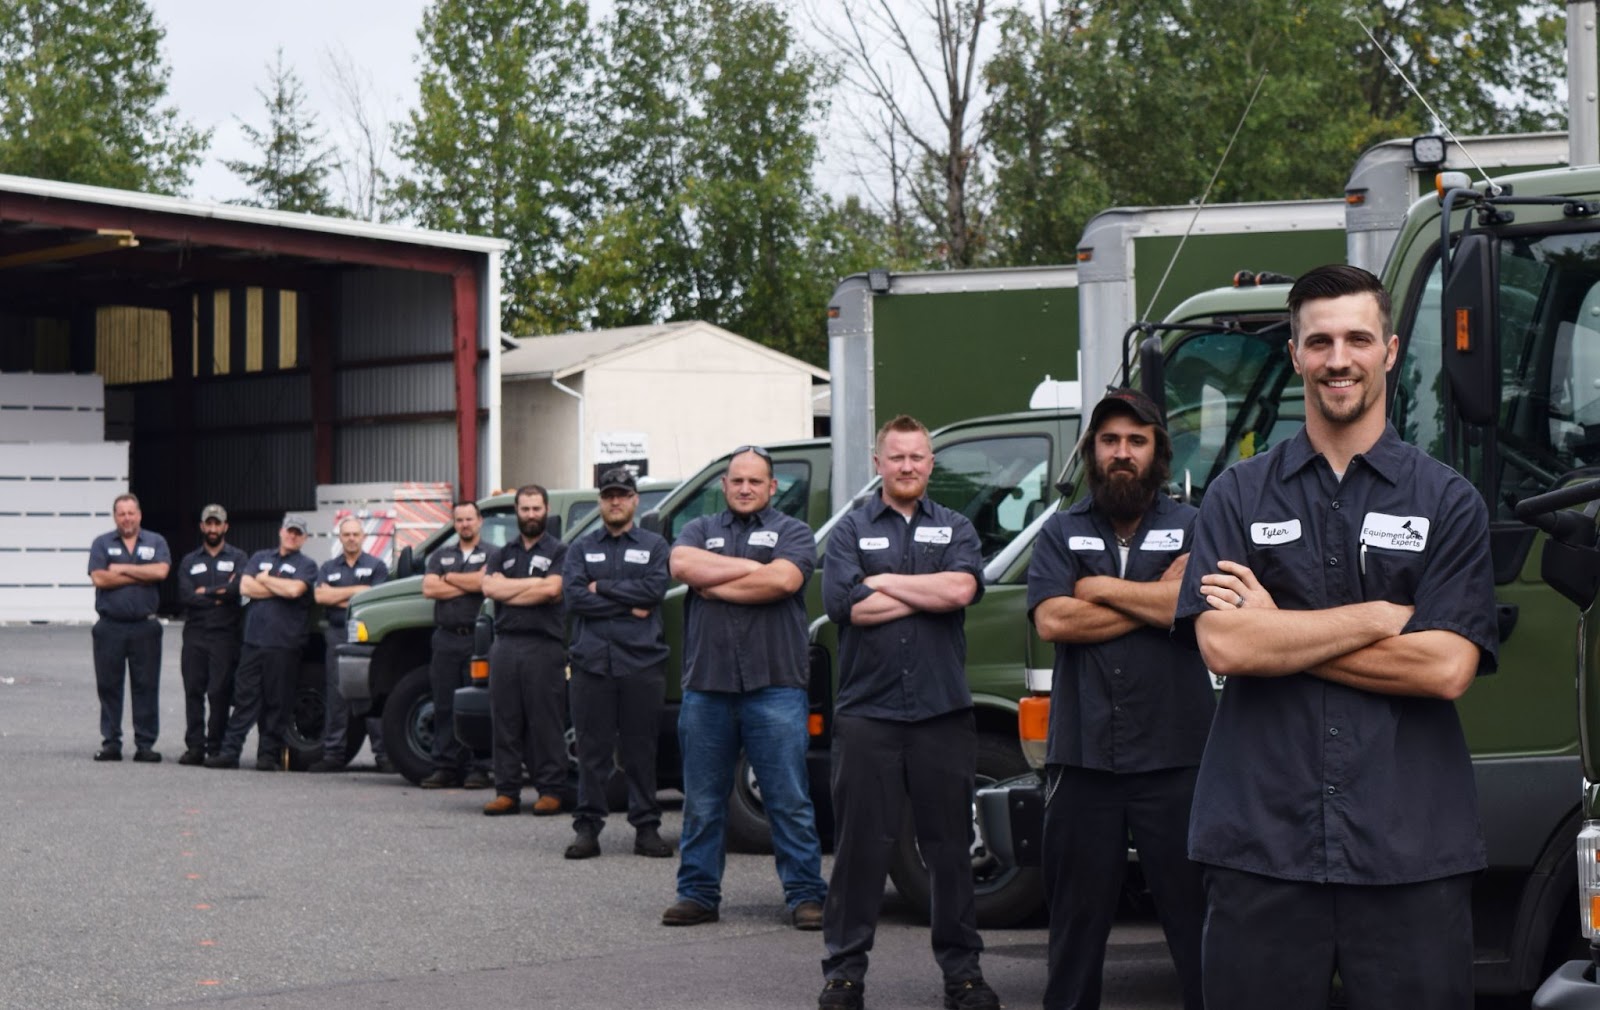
456	631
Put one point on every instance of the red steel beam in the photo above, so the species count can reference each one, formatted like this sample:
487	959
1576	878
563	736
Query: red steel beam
465	296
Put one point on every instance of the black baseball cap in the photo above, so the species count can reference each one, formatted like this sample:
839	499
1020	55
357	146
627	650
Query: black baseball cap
1127	401
618	478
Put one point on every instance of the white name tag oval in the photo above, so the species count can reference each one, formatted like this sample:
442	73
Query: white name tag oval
636	557
714	543
594	557
1281	532
1086	544
1162	540
873	543
764	538
1395	533
931	534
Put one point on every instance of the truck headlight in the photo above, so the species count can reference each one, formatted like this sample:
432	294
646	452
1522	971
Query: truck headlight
356	632
1589	878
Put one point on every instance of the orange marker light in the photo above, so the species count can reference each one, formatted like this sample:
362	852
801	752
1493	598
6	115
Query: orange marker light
480	670
1033	718
1594	911
814	724
1463	330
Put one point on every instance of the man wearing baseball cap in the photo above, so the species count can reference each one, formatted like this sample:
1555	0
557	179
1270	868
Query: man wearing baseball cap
1129	707
279	585
208	591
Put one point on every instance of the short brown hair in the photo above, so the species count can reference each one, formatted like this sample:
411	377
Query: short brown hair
532	489
127	496
1335	281
901	423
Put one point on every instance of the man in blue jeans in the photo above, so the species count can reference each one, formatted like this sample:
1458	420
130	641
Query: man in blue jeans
744	685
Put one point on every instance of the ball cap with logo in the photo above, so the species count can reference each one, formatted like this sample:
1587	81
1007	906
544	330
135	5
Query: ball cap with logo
216	512
294	521
1127	401
618	478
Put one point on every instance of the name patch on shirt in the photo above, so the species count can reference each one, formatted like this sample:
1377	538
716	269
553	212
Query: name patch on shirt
265	566
146	553
1395	533
508	562
594	557
114	551
224	566
335	576
288	569
198	568
712	544
931	534
763	538
1281	532
874	543
473	559
1162	540
636	557
541	562
1086	544
362	573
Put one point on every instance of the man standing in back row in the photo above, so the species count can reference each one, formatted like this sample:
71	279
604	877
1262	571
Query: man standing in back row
126	567
900	573
454	582
208	591
339	581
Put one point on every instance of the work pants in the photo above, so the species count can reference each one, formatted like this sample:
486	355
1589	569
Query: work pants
207	661
263	696
617	717
136	647
448	669
878	766
1088	817
1276	944
528	708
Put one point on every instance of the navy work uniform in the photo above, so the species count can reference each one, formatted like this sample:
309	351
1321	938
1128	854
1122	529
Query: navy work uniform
275	630
208	590
127	635
528	674
448	668
618	667
903	731
1128	723
341	574
1339	827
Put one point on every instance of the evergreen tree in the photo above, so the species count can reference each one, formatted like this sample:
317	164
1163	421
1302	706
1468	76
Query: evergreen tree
293	163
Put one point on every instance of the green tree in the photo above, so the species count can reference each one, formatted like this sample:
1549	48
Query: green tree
1095	104
294	161
498	143
83	91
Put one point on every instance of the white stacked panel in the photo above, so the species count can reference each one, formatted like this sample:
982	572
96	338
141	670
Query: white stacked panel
55	497
51	408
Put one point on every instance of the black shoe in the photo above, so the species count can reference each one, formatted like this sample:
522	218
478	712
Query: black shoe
477	779
222	761
267	764
841	994
442	779
383	766
970	994
687	913
107	754
807	916
585	846
147	756
648	842
193	756
327	765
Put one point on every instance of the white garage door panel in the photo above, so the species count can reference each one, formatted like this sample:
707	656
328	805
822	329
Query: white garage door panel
73	604
53	496
50	531
49	389
51	425
44	568
64	459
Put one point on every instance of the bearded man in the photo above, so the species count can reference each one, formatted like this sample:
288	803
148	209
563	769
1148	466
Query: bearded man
1129	708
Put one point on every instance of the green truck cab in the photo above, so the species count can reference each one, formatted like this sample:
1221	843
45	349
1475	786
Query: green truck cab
383	668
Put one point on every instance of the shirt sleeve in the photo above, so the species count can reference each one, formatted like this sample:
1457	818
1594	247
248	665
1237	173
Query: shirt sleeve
380	572
648	589
965	553
558	558
434	566
842	573
1053	569
1218	536
693	534
307	574
325	571
163	553
798	546
185	579
99	560
1456	590
491	562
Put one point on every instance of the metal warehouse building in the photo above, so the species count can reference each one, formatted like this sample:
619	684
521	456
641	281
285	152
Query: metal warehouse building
251	355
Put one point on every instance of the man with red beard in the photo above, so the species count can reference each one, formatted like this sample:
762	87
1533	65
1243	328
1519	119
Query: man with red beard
1129	708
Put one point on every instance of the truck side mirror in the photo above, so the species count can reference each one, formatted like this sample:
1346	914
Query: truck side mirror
651	521
1153	372
1469	331
406	564
1574	572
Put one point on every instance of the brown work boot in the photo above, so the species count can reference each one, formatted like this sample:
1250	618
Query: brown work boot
687	913
547	805
807	916
502	805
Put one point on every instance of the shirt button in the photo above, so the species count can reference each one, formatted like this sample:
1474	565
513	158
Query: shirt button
1333	731
1335	505
1117	672
1332	790
1333	562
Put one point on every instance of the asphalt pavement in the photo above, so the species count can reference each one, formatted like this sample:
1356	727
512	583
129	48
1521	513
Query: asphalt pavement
136	885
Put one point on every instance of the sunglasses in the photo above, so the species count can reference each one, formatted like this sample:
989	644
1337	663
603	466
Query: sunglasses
758	450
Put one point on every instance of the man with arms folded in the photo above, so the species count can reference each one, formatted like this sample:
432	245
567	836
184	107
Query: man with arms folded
126	566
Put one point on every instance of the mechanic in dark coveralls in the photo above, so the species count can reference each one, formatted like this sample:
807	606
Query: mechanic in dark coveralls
126	566
208	592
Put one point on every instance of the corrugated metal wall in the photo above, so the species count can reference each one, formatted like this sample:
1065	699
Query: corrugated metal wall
394	314
416	451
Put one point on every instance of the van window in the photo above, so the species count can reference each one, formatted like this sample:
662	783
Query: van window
794	490
999	483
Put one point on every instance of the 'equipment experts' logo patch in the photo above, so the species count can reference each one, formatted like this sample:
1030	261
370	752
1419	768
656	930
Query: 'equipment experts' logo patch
1395	533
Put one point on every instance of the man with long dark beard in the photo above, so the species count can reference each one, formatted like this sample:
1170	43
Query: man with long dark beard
1129	709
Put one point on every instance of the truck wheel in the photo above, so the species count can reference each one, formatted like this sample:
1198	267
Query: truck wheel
1005	894
408	726
748	830
302	735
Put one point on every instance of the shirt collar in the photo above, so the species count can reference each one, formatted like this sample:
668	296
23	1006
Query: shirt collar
762	518
602	534
1384	457
877	507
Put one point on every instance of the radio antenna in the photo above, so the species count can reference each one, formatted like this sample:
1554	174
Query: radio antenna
1494	189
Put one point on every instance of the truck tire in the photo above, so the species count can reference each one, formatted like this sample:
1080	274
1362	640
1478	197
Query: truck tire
1005	894
408	726
302	736
747	828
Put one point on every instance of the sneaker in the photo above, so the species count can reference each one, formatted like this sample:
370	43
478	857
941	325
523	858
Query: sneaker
108	754
326	765
477	779
444	778
222	761
147	756
687	913
502	805
841	994
547	805
970	994
807	916
267	764
585	846
194	756
648	842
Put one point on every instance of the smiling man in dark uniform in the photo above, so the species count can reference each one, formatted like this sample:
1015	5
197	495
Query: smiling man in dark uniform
340	580
278	584
1341	582
454	582
126	567
208	591
1129	708
900	573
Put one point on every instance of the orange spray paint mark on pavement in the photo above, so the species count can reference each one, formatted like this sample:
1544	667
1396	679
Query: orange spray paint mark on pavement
209	981
202	908
208	943
196	876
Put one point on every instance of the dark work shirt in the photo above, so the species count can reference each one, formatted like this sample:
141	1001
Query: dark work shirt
340	574
629	570
138	601
278	622
742	647
1305	779
913	667
218	575
517	561
1139	702
461	611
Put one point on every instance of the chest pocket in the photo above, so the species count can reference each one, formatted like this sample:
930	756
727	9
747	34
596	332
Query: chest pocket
927	558
1393	575
1289	572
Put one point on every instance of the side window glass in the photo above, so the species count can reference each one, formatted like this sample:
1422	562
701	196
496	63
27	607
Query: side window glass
1230	395
1001	484
498	528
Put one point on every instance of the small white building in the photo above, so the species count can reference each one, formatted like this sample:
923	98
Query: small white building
671	396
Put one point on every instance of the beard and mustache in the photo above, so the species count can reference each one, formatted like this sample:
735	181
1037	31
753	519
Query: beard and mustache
211	537
531	528
1121	491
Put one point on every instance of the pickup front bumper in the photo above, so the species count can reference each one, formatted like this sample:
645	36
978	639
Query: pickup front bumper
1012	815
354	665
1572	987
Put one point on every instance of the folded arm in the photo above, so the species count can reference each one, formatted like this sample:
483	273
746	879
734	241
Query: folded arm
702	569
771	581
434	587
935	592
